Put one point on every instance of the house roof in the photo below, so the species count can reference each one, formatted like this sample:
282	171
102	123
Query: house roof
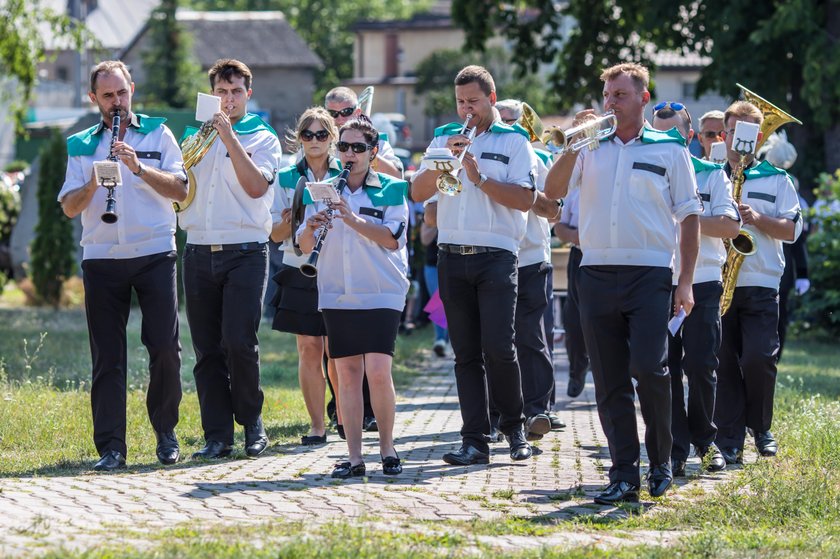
259	39
113	22
438	16
666	59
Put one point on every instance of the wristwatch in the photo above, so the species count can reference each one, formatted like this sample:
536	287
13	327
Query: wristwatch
482	178
140	170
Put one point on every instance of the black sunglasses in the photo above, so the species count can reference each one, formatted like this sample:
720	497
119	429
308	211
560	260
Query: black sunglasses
320	135
357	147
346	111
711	134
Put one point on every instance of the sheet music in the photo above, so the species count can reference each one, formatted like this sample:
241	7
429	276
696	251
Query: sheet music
323	192
206	106
107	172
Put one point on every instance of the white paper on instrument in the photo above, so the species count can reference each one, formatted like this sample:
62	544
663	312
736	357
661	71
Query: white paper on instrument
441	159
206	106
323	192
717	153
107	172
746	137
675	323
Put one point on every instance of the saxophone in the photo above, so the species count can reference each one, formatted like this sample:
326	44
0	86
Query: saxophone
744	244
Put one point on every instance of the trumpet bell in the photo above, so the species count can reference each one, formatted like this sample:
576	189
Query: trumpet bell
448	185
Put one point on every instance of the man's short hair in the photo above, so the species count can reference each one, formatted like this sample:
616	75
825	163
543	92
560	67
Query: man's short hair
512	105
718	115
667	112
108	67
341	94
743	109
477	74
638	73
228	68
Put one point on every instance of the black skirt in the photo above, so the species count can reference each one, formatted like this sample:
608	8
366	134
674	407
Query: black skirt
356	332
296	303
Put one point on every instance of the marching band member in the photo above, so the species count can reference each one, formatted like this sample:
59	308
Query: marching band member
137	251
632	191
296	299
694	350
226	264
362	286
479	231
747	374
711	131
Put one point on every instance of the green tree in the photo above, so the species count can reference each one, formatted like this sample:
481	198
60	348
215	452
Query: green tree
173	74
53	250
23	46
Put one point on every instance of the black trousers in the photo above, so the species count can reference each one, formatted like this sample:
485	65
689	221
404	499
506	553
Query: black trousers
108	284
535	366
575	344
747	372
479	297
224	292
624	314
694	353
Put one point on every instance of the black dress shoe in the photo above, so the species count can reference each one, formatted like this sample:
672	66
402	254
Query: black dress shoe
519	447
213	449
678	467
766	444
344	470
313	440
255	438
466	456
556	422
369	424
659	479
168	450
732	454
110	461
715	459
536	426
575	387
618	492
495	436
391	466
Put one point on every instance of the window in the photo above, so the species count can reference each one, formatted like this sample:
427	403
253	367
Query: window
689	89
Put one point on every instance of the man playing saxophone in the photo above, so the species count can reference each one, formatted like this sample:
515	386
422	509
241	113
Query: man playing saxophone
135	252
770	210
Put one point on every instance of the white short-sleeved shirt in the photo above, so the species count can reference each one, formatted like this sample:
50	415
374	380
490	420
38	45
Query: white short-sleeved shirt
471	217
354	272
222	212
571	209
716	194
284	195
387	153
630	196
769	191
535	246
146	220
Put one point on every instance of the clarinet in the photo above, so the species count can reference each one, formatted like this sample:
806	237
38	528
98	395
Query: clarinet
110	215
310	267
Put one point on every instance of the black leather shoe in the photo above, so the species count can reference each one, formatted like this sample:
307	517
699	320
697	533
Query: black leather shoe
766	444
714	457
466	456
556	422
495	436
536	426
659	479
678	467
313	440
110	461
618	492
344	470
369	424
575	387
391	466
255	438
213	449
168	450
732	454
519	447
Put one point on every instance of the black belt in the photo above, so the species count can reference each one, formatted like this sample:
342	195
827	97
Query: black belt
467	249
234	246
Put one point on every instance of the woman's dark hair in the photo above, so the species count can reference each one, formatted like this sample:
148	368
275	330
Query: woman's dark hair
363	124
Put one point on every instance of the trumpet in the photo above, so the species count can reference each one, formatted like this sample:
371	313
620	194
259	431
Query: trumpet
110	215
586	135
447	182
310	267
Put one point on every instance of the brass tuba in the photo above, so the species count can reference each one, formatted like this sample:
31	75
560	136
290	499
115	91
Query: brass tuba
744	244
586	135
193	149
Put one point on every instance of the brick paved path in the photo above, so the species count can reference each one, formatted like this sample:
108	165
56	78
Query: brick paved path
293	483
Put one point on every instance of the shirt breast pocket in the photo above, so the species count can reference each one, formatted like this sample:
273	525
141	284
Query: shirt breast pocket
648	181
494	165
150	158
372	215
761	202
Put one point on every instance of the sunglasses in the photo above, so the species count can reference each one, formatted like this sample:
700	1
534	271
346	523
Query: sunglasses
345	112
676	107
711	134
357	147
320	135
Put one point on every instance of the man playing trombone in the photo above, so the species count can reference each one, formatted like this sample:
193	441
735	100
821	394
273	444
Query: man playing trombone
632	191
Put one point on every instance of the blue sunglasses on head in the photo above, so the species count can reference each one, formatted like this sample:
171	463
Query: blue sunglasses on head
676	107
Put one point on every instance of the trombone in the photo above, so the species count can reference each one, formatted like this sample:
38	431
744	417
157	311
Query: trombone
585	135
